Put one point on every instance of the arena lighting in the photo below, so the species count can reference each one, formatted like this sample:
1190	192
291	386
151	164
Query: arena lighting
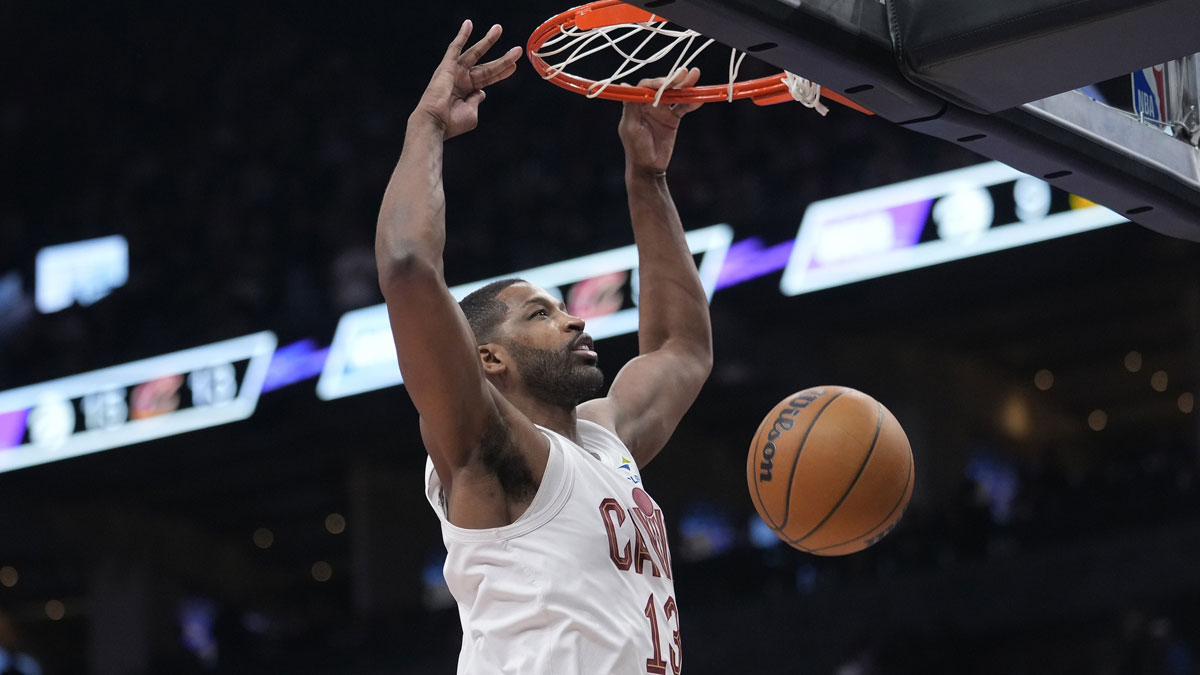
82	271
263	538
335	523
1133	361
1186	403
55	610
749	259
1158	381
362	357
1043	379
927	221
134	402
851	238
294	363
322	571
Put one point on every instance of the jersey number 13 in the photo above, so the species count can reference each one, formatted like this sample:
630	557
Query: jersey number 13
656	664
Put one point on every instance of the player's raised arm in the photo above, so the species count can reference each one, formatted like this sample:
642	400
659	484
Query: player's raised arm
434	344
653	391
412	218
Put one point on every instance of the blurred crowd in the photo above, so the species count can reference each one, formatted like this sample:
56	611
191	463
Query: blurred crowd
1031	568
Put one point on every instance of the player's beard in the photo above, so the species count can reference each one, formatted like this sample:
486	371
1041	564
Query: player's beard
557	377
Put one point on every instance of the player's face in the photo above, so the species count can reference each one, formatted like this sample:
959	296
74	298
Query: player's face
555	359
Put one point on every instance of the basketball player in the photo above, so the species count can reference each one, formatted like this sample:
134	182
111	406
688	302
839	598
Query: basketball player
557	557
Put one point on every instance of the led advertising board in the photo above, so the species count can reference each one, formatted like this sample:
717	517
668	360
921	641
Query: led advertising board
134	402
601	288
931	220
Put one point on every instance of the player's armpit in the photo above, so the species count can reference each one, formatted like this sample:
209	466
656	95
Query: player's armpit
647	399
499	483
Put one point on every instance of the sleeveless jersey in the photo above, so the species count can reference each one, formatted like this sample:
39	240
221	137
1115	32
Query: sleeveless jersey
580	584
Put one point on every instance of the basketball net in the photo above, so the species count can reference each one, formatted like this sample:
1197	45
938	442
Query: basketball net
574	44
563	41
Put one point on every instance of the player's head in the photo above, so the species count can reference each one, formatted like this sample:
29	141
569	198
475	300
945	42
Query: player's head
527	339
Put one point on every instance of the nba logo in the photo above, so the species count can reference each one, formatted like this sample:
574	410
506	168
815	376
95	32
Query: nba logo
1150	94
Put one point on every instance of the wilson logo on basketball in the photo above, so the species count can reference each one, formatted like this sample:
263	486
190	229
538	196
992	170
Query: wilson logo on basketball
844	470
783	423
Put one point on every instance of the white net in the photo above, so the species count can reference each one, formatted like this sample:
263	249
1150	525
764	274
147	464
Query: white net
573	44
807	92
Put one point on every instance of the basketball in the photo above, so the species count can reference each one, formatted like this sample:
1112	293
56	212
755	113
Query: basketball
830	470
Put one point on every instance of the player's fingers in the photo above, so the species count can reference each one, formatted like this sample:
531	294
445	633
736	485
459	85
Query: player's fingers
456	45
493	77
493	71
652	82
477	50
684	77
682	109
500	75
676	80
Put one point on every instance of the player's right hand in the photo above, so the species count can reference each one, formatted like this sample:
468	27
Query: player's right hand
454	93
648	131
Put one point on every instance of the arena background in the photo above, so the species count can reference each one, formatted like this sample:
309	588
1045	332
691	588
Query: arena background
242	149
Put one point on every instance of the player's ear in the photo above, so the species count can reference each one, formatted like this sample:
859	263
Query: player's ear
493	358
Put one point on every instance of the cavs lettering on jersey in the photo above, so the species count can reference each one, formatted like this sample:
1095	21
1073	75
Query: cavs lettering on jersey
580	584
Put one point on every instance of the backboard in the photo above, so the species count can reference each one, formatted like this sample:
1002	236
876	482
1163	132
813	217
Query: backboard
999	79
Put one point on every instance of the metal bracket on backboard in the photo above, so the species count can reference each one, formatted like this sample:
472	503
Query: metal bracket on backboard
838	43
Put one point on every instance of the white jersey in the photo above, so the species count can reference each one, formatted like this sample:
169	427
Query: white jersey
580	584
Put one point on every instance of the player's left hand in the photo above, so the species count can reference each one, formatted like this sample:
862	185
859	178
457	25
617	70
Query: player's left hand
454	93
648	131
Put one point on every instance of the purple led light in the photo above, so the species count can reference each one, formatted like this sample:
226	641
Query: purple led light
747	259
908	221
294	363
12	428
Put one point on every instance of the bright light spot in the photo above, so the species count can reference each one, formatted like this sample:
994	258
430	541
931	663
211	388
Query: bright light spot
1016	417
855	238
1043	379
55	610
1186	402
81	271
1133	361
964	214
1032	197
1098	420
1158	381
263	538
335	523
322	571
9	576
370	348
52	421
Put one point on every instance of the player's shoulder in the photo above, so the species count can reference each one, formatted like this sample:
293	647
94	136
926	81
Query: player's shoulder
596	437
600	412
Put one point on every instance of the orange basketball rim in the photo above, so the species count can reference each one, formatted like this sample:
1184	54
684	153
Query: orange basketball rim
595	22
